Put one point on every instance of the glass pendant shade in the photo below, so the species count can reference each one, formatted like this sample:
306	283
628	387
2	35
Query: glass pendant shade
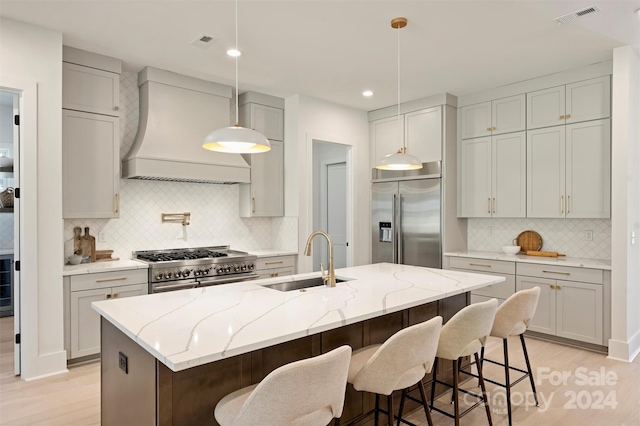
236	140
399	161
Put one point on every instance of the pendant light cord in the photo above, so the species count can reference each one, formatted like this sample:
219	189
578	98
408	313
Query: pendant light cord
404	149
237	115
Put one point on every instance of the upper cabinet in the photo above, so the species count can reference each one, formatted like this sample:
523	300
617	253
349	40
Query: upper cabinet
495	117
572	103
420	131
90	90
90	135
264	196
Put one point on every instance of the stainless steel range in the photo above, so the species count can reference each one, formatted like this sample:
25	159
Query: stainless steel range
178	269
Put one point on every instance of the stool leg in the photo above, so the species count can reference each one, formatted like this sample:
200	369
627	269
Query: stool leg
433	380
390	408
526	358
459	368
377	411
484	391
337	421
481	361
404	394
456	402
507	380
423	395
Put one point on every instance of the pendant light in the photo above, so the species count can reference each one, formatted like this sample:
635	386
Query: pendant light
236	139
399	160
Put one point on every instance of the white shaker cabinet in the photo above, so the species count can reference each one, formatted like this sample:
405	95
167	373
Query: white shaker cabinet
90	165
493	176
569	172
493	118
275	266
420	131
571	103
264	196
264	119
90	90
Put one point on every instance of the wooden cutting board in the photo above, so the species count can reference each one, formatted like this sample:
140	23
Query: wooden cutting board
88	245
528	241
77	238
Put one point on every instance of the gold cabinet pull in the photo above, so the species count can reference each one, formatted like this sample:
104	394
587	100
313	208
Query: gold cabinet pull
274	274
116	108
562	204
108	296
567	116
493	128
489	205
274	263
253	205
558	287
562	117
480	264
494	205
106	280
556	272
552	287
568	203
115	295
488	129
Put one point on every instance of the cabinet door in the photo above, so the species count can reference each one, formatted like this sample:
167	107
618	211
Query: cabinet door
588	100
268	120
85	322
508	115
588	169
423	134
387	137
545	108
579	311
129	290
476	120
90	90
546	172
267	186
509	186
544	320
91	165
475	185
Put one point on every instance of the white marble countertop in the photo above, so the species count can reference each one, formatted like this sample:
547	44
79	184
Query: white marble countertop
272	252
187	328
523	258
114	265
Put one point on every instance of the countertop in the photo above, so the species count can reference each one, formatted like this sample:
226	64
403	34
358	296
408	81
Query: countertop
114	265
187	328
558	261
272	252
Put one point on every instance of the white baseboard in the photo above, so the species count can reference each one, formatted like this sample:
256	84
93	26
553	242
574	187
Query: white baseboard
625	351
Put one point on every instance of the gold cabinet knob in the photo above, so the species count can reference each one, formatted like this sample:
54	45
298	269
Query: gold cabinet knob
567	116
562	117
488	129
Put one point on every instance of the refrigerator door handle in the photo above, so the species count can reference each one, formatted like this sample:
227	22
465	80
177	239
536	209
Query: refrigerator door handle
400	236
394	235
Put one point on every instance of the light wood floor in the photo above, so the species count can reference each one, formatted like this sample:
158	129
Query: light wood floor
74	398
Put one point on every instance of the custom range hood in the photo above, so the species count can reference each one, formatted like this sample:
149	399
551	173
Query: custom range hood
176	114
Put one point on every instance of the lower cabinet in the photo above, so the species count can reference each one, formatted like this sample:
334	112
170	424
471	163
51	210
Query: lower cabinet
500	291
569	309
275	266
83	322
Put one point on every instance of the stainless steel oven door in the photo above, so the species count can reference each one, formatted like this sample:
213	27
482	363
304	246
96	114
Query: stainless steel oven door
172	286
203	282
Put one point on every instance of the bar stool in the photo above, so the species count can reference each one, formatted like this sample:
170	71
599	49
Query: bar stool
399	363
306	392
464	335
512	319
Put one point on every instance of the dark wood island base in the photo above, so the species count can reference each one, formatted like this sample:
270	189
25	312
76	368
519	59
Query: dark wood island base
138	389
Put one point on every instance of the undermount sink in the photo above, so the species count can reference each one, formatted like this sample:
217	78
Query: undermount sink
302	284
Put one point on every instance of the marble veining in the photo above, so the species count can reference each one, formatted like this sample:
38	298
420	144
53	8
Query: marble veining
186	328
575	262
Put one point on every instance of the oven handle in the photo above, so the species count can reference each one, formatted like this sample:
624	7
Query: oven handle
227	280
161	288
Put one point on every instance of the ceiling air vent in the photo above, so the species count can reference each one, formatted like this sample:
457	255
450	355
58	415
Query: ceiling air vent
577	14
203	41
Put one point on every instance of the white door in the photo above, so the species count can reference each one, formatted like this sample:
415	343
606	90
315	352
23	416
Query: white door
423	134
507	115
476	120
337	212
546	172
509	186
579	311
544	320
588	100
545	108
16	236
388	137
476	178
588	169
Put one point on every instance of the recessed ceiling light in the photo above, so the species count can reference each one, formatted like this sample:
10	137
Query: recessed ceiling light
367	93
234	52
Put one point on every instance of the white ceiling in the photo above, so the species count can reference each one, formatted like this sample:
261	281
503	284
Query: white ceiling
334	50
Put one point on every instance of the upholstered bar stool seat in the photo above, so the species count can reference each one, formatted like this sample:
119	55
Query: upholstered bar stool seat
464	335
400	362
306	392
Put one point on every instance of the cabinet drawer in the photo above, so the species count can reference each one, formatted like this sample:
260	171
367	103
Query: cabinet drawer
278	272
565	273
108	279
275	262
501	290
482	265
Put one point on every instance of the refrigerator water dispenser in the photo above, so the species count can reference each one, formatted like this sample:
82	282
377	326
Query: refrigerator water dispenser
385	232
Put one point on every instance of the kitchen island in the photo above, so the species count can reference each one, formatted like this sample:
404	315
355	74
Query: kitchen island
168	358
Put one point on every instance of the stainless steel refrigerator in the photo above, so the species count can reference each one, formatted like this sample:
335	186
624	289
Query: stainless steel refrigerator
406	216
